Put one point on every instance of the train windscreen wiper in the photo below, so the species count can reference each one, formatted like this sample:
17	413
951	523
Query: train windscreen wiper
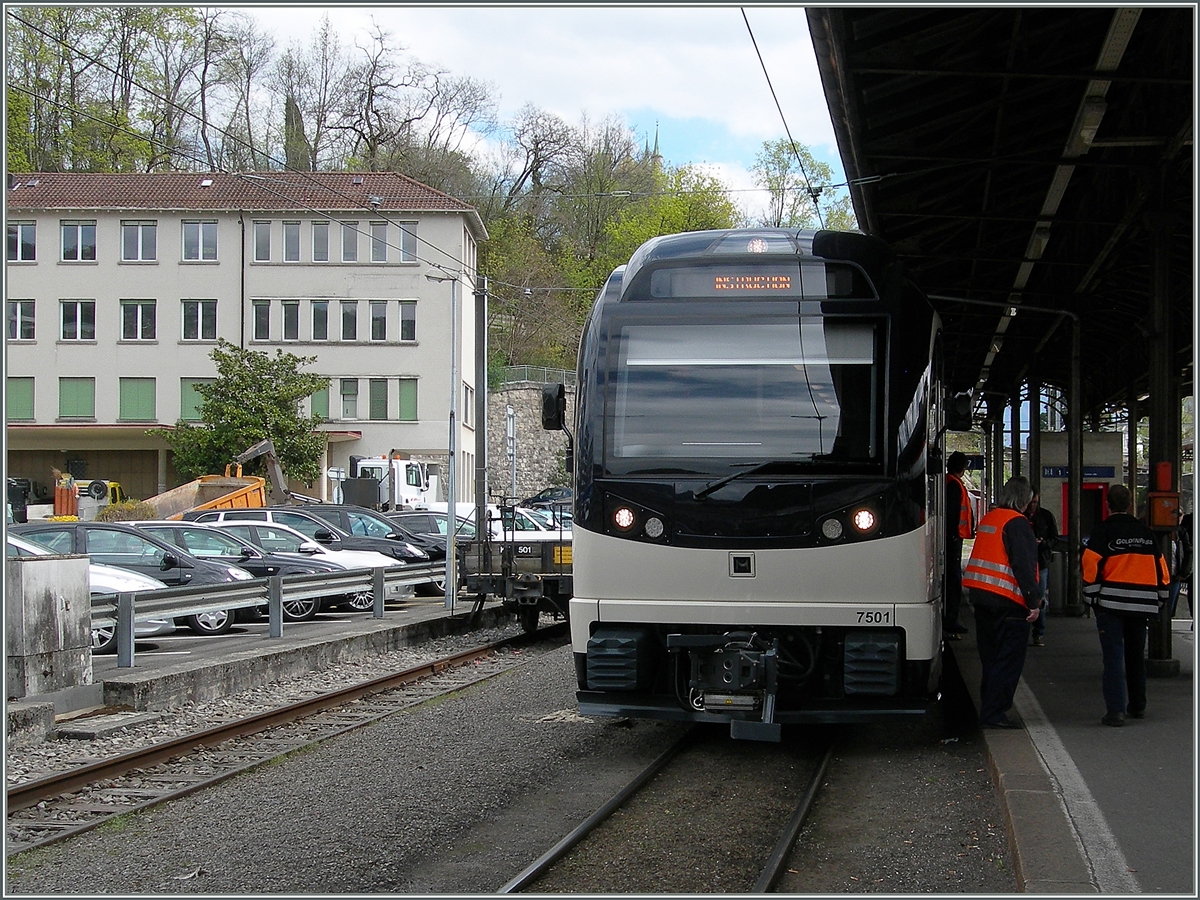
714	486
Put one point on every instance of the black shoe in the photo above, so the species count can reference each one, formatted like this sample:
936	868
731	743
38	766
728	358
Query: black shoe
1136	713
1000	723
1116	720
956	629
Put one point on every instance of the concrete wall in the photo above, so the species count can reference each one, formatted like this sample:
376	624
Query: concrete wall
539	454
47	624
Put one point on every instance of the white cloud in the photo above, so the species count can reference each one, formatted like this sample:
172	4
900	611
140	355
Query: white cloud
679	62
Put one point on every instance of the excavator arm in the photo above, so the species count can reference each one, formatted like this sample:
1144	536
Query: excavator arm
274	471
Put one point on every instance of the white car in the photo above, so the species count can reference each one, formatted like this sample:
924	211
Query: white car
283	539
516	524
102	580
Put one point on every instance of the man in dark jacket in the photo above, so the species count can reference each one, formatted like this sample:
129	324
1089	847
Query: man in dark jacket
1126	580
1045	529
1001	576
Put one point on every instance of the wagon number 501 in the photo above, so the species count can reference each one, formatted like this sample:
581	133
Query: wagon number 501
875	617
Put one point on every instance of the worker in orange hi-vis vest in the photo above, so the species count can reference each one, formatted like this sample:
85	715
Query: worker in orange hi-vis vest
1002	577
1126	580
960	526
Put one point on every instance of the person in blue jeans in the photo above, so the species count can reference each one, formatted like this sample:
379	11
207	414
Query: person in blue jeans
1045	529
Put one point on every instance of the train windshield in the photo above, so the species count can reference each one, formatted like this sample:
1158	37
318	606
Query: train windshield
714	396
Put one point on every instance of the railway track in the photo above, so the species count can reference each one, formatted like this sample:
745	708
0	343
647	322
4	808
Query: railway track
64	804
775	860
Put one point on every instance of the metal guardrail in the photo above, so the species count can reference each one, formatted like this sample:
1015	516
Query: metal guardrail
123	610
536	375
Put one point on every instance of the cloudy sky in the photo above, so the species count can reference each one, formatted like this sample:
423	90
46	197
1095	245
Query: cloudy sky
691	71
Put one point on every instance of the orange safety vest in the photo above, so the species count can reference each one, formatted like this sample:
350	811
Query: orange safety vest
966	515
989	568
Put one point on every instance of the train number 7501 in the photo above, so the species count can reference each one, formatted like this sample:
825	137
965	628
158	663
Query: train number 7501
874	617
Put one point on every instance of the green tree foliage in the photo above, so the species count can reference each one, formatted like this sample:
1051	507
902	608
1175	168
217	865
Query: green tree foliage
781	168
254	396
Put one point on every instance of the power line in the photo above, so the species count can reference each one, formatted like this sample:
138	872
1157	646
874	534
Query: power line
814	194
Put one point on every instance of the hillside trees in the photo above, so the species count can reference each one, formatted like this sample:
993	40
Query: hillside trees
788	172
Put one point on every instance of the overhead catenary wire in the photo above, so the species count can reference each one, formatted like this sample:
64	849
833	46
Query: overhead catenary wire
812	192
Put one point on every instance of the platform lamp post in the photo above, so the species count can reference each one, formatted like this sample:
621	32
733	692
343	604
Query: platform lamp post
452	446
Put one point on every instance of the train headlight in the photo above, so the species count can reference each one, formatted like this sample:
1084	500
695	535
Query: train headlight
864	520
831	528
654	527
623	518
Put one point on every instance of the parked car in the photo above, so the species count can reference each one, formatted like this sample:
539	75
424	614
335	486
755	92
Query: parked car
282	539
317	528
554	517
103	580
207	542
431	522
548	496
121	545
358	520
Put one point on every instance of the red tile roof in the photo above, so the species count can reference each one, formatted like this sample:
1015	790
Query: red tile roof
261	192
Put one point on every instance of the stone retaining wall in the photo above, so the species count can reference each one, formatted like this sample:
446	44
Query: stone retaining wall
540	455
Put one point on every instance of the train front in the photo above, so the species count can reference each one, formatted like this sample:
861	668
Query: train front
754	519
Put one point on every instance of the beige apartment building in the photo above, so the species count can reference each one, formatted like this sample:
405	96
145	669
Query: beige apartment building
118	286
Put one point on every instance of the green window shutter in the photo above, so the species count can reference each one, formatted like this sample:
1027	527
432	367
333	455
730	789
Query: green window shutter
320	403
137	400
408	400
378	398
19	399
190	399
77	398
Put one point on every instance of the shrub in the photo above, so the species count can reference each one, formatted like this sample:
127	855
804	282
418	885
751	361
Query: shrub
127	511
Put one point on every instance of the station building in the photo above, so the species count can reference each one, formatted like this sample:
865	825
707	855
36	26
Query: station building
119	286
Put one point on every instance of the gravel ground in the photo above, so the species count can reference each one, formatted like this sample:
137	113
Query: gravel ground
458	796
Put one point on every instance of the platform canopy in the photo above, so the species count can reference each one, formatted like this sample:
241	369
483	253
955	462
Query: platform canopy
1027	157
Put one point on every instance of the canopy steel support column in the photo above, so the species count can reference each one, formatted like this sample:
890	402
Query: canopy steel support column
1015	427
1073	602
1164	406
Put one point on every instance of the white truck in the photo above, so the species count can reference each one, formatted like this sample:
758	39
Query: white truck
404	482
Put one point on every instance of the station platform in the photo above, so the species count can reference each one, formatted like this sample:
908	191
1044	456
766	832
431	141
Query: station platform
1091	808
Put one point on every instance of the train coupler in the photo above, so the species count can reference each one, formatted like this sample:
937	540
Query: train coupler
734	673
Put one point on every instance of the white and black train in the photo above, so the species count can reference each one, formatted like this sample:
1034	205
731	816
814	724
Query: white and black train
758	487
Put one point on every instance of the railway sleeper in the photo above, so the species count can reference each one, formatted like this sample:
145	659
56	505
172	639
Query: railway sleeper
755	679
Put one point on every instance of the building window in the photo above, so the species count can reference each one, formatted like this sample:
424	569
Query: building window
408	242
379	242
262	320
138	320
199	240
139	241
349	242
468	411
199	320
20	320
18	399
79	241
320	234
291	320
291	242
262	241
191	399
77	398
22	241
320	320
378	399
408	399
349	398
349	320
408	321
136	400
78	320
379	320
319	404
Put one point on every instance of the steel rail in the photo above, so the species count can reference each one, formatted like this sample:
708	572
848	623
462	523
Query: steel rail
28	794
779	856
539	866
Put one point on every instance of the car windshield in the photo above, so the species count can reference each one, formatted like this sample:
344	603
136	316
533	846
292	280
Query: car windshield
373	526
210	542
